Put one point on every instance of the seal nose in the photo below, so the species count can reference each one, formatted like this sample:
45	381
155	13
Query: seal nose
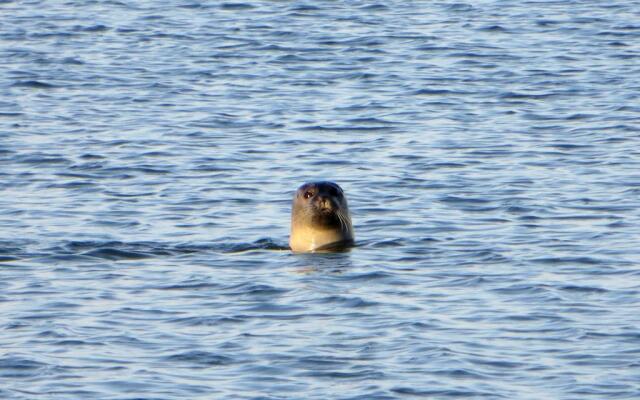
325	203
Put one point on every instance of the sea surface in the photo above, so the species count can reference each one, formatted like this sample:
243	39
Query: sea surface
489	150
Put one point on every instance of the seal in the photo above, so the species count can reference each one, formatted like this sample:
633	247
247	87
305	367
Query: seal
320	219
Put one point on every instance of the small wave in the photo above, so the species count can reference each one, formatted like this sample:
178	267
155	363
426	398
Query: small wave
367	276
351	375
430	393
41	158
304	7
15	366
520	288
34	84
433	92
260	244
348	302
458	373
375	7
92	28
199	358
17	362
276	310
117	250
528	96
460	7
388	243
236	6
493	28
568	260
583	289
191	286
352	128
463	200
207	321
117	254
252	289
369	120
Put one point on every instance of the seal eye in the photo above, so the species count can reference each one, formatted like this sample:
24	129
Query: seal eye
308	195
333	191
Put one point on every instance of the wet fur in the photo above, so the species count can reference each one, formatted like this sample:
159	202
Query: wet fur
322	222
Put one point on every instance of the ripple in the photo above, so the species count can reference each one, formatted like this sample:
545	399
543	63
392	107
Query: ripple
33	84
115	254
149	157
440	393
208	321
569	260
583	289
199	358
16	367
349	302
236	6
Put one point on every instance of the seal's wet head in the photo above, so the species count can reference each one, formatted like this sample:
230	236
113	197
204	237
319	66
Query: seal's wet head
319	216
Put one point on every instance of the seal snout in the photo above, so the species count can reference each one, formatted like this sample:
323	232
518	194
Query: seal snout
325	203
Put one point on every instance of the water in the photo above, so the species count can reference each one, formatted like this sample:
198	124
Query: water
489	151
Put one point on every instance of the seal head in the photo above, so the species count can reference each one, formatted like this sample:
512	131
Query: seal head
320	219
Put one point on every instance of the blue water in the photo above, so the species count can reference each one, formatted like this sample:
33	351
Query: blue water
490	152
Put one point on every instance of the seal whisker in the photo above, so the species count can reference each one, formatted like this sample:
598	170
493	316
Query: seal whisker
340	220
344	224
346	218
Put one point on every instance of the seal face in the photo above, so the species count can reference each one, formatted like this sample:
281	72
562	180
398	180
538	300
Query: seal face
320	219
